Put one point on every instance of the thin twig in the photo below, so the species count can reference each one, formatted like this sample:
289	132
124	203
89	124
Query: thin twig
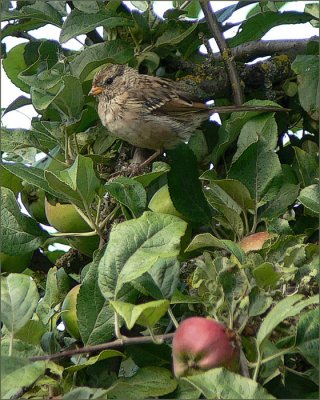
99	347
214	27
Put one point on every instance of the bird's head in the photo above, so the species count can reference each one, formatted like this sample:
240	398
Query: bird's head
112	80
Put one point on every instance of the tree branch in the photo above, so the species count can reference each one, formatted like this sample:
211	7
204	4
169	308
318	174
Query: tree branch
214	27
23	35
261	48
199	79
104	346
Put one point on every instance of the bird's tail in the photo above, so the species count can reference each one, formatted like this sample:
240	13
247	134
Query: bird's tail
241	108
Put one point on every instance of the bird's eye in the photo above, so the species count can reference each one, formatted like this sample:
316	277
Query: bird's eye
109	81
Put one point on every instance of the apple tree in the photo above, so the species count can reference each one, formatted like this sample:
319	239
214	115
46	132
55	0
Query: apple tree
223	227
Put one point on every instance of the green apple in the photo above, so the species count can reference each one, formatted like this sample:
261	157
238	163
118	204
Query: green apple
33	199
64	217
69	312
15	263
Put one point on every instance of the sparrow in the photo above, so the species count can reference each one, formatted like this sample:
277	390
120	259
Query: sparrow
151	112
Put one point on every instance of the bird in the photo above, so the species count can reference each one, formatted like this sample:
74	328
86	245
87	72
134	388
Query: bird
151	112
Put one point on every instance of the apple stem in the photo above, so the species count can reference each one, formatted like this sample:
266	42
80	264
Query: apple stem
173	318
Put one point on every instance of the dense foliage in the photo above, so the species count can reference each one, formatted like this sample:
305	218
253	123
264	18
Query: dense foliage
148	258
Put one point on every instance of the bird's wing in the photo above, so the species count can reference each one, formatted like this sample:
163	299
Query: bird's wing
164	99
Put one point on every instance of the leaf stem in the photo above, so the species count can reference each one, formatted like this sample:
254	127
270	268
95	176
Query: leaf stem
258	364
109	217
255	220
81	234
154	338
10	345
173	318
272	357
86	216
98	211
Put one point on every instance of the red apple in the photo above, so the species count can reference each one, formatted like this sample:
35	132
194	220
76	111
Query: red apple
254	241
200	344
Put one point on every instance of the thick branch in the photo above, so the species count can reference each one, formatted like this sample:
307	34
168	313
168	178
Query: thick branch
214	27
110	345
206	81
261	48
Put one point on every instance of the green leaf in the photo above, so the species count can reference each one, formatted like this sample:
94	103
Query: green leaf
146	314
231	128
19	298
130	193
20	233
85	7
19	348
306	167
180	298
261	128
229	219
174	34
161	280
307	69
266	276
8	179
104	355
286	196
115	51
31	332
15	139
206	240
256	168
232	193
158	169
147	382
67	100
14	63
140	5
78	183
79	22
20	101
57	287
85	393
307	339
310	198
41	11
259	302
34	176
185	187
150	354
17	373
258	25
21	26
192	9
95	316
135	246
288	307
219	383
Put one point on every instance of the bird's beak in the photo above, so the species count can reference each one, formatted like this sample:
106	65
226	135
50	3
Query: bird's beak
95	90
